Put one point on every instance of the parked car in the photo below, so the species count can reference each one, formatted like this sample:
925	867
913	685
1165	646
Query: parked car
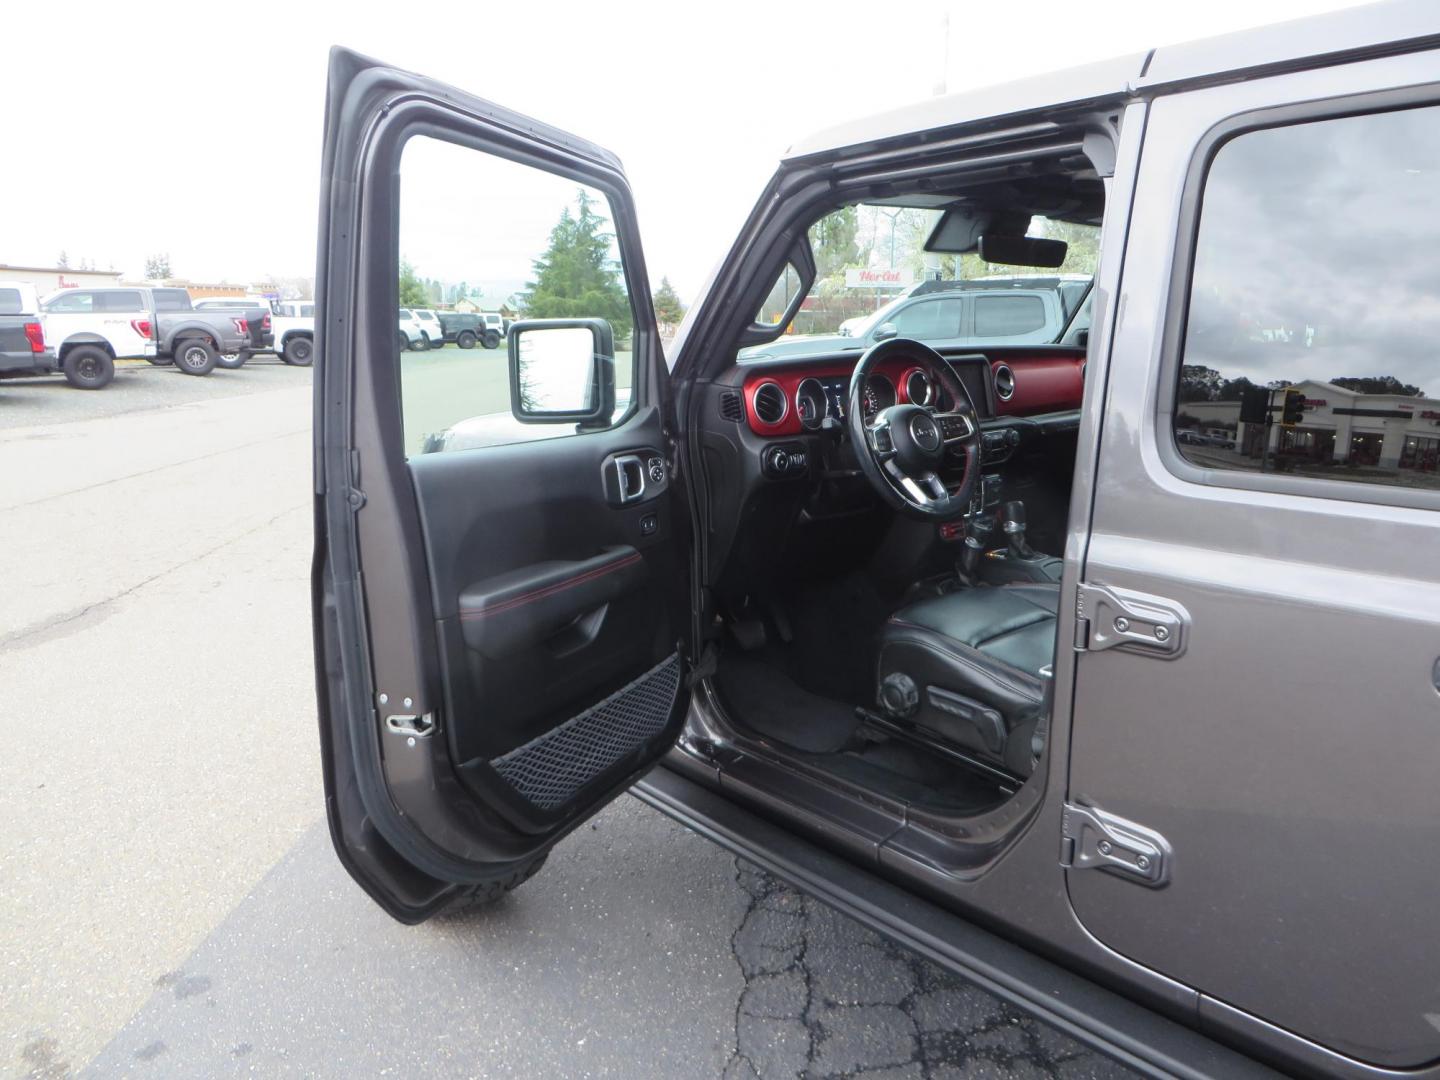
498	325
432	335
412	334
467	330
257	313
1153	757
23	350
93	327
294	329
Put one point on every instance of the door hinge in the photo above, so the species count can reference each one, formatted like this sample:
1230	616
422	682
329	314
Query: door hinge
1107	617
1091	839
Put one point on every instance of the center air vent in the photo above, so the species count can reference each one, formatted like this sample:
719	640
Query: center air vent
770	403
730	407
1004	382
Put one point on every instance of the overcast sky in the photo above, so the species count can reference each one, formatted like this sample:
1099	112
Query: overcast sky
194	128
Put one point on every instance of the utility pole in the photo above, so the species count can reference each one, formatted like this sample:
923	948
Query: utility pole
1269	425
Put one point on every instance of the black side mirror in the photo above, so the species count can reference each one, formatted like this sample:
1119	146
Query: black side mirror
562	371
796	279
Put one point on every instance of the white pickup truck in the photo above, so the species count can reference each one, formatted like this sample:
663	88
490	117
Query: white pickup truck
293	322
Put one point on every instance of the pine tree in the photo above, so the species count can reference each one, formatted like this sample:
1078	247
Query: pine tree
576	277
668	308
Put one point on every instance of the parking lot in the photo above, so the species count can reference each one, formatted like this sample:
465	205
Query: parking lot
173	904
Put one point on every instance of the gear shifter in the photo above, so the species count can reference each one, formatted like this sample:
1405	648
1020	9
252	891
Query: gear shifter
977	541
1014	526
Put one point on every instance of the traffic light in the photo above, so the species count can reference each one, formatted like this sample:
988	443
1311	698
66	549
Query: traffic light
1294	408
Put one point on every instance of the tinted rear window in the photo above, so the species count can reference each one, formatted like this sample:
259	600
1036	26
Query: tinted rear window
1008	316
10	302
128	300
172	300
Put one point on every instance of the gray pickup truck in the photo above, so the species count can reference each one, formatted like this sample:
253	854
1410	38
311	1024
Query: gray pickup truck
92	328
23	350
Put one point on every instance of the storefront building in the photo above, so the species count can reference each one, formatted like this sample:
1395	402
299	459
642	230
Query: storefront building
1337	426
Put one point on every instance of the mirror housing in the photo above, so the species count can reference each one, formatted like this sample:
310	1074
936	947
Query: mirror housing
1022	250
801	258
562	371
885	331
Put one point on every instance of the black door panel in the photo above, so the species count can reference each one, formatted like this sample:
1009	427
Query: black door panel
547	597
500	631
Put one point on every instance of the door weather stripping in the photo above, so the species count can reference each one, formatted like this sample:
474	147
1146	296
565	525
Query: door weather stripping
1108	618
1091	839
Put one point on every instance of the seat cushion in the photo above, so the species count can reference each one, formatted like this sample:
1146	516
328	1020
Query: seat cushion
975	657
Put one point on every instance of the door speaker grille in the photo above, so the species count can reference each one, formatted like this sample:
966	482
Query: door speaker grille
730	407
549	770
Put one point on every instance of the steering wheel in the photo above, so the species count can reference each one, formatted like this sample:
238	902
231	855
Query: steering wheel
901	449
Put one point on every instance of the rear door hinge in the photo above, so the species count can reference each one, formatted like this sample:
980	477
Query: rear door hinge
1091	839
1107	617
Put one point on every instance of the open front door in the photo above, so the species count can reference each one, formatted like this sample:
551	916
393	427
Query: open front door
501	550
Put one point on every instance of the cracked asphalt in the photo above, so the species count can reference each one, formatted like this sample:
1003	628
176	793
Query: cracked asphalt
169	902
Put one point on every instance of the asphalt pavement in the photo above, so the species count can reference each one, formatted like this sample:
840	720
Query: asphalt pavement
169	902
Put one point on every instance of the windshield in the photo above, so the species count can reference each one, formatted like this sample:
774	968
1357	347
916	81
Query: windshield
874	280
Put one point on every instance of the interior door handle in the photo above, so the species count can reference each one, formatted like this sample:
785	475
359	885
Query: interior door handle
629	477
1107	617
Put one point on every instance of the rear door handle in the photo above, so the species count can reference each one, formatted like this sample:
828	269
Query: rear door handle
1107	617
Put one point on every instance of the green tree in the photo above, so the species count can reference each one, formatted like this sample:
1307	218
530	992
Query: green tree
1377	384
157	267
576	277
668	308
64	261
833	240
412	290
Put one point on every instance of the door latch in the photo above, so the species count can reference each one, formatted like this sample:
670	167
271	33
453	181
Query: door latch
1091	839
1107	618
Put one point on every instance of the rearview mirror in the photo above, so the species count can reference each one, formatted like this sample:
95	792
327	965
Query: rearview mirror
1022	250
562	371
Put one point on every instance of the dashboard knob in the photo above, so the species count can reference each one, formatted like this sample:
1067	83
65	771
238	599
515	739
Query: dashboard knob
1012	437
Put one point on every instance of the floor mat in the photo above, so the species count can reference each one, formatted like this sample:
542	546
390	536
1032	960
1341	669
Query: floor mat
765	699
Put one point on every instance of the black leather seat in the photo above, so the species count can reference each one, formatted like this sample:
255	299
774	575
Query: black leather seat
967	666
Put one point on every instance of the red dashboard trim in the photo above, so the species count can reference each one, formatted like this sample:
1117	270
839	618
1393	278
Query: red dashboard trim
1043	384
789	380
